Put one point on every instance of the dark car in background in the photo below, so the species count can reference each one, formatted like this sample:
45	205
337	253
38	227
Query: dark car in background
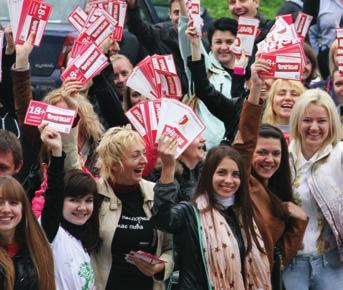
47	60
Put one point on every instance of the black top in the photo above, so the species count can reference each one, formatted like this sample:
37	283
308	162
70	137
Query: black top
134	232
25	272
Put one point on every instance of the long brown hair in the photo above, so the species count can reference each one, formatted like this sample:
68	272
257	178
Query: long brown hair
243	202
29	233
279	185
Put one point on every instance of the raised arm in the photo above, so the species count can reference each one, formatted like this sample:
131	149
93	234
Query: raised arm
250	118
8	58
52	213
146	33
167	212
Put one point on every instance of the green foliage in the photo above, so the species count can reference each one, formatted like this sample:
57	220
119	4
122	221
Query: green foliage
218	8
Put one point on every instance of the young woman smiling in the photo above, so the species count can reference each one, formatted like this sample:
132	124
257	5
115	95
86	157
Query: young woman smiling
223	249
69	218
25	257
282	96
125	213
316	154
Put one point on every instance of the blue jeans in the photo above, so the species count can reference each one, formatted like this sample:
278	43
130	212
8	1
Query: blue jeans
323	272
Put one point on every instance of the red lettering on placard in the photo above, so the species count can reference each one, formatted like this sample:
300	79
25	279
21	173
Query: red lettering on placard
171	132
58	118
291	67
100	29
171	86
116	11
246	29
301	23
78	19
137	113
91	59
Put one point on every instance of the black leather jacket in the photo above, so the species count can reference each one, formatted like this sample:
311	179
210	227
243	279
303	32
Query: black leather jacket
26	276
179	219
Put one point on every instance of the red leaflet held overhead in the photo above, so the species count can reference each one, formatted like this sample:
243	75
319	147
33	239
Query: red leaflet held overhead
33	19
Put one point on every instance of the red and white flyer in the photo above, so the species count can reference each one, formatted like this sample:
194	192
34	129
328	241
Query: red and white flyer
282	30
302	24
156	77
147	257
93	15
138	82
33	20
150	111
170	84
85	66
178	119
78	18
101	28
14	9
283	66
59	119
246	34
137	120
1	46
193	11
117	9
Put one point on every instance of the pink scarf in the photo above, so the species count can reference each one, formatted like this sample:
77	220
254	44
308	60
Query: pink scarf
223	257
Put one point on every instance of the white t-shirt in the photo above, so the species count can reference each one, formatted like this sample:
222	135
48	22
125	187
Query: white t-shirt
73	270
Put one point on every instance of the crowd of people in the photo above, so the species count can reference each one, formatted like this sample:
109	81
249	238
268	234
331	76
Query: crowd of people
255	201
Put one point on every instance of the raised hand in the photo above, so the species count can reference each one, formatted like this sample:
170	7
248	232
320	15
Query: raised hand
166	150
194	39
51	138
23	52
70	87
259	66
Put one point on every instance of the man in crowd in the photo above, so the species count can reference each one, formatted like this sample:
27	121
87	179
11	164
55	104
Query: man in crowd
160	38
11	154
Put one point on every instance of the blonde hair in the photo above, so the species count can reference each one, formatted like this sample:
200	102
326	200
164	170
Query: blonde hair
112	148
89	125
320	98
269	115
28	233
332	57
57	96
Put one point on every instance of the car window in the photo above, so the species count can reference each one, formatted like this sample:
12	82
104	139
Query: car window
161	7
60	12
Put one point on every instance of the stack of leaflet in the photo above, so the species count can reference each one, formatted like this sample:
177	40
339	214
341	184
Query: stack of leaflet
116	9
105	19
28	17
246	34
283	50
156	77
167	117
193	11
